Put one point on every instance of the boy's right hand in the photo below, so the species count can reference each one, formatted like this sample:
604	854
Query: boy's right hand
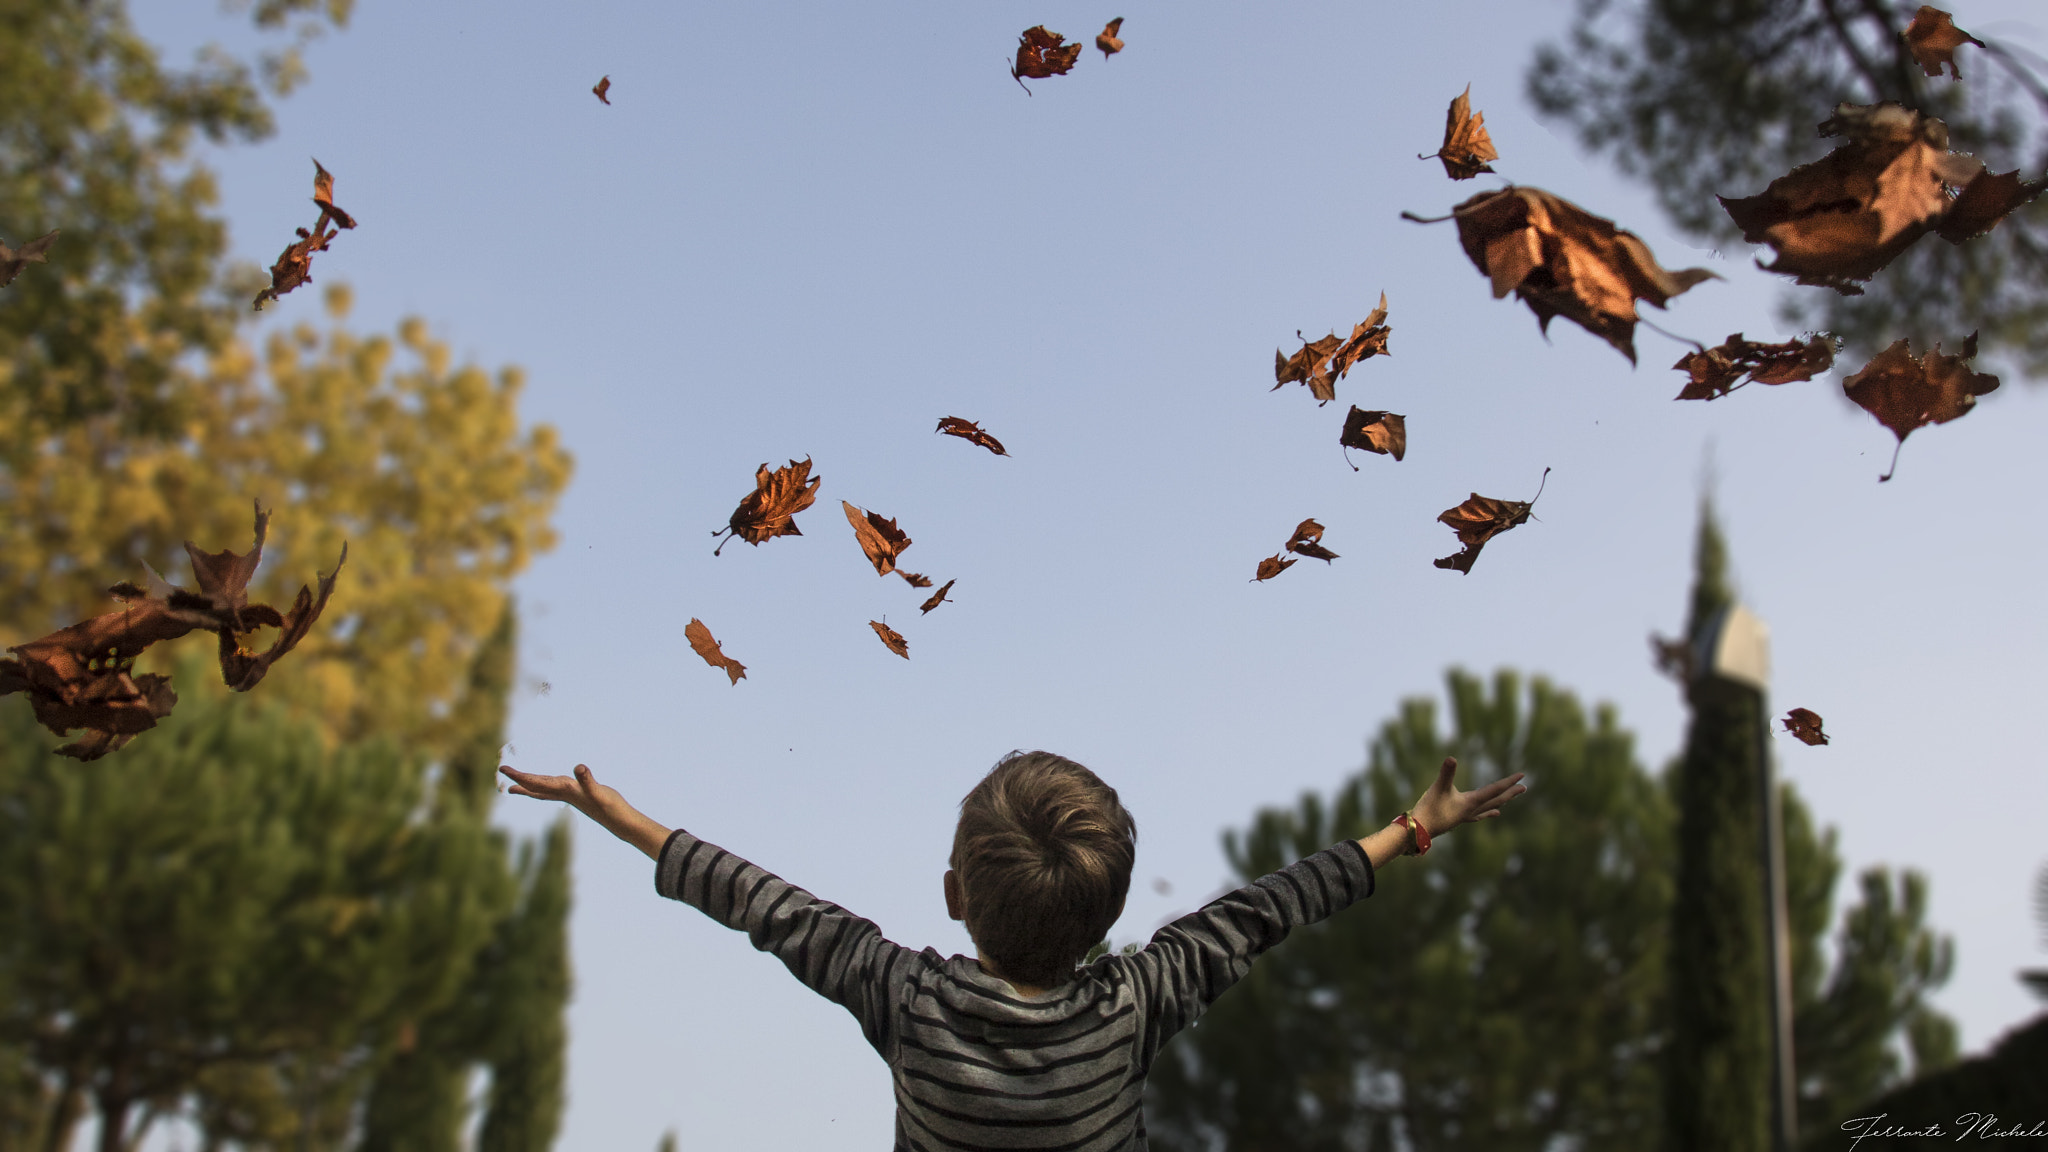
597	801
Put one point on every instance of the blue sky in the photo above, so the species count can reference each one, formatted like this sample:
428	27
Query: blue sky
814	229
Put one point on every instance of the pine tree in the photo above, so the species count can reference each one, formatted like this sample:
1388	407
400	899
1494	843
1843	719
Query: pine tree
1718	1065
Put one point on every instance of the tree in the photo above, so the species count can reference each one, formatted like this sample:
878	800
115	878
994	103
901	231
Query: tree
228	905
1498	993
421	468
1705	97
1718	1064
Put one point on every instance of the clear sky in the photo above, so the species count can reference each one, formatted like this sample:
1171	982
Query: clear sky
814	229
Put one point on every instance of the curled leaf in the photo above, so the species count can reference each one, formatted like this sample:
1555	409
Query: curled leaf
1374	431
1107	40
1933	38
1905	391
1562	260
323	195
879	538
1715	372
1307	541
768	511
971	432
892	638
915	579
1804	723
1480	519
938	597
13	260
1841	219
703	645
1041	54
1467	147
1272	566
1321	363
601	87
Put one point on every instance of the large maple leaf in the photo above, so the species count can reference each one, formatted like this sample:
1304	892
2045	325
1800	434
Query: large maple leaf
769	510
1905	391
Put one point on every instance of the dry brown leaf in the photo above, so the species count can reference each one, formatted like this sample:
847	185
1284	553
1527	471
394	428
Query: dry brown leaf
766	512
1272	566
1307	541
323	195
1839	220
81	676
295	264
1717	371
1467	147
1321	363
1383	432
13	260
879	538
915	579
971	432
1041	54
703	645
1564	261
1480	519
1906	392
1805	723
1933	38
938	597
892	638
601	87
1107	41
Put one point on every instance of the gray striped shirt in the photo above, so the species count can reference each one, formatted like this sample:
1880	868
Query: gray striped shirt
978	1067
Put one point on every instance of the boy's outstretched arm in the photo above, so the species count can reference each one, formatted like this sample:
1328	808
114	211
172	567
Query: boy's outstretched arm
597	801
1441	809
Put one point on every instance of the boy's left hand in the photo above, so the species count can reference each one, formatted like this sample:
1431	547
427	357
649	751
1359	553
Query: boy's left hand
1443	807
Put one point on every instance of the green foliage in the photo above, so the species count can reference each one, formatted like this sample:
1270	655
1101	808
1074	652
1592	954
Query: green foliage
1497	993
2001	1090
1706	97
228	914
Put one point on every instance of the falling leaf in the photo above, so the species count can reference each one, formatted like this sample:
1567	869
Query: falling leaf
1841	219
295	264
767	511
601	87
1480	519
1383	432
970	431
892	638
1272	566
1107	41
1321	363
1467	147
13	260
703	645
1906	392
1307	541
1041	54
1717	371
915	579
82	676
323	195
938	597
1802	722
1933	38
879	538
1562	260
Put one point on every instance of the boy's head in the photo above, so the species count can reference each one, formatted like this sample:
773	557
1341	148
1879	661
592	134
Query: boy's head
1041	864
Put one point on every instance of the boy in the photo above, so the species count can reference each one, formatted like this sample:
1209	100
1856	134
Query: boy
1020	1048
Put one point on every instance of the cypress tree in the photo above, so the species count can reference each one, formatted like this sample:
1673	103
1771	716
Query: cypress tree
1717	1090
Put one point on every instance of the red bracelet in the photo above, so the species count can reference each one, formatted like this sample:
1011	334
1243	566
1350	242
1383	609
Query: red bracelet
1421	834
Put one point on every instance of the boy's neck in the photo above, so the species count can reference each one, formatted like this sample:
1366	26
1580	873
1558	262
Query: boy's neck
1022	989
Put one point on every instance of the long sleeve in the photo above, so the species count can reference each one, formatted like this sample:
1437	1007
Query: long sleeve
1193	960
835	953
